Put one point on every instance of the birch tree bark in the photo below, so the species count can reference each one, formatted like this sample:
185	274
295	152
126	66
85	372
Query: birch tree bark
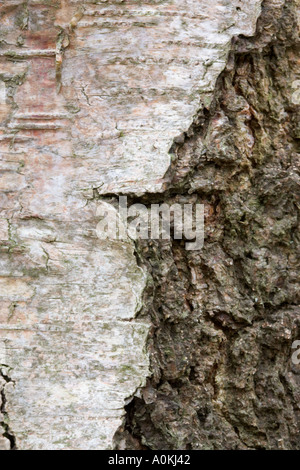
141	344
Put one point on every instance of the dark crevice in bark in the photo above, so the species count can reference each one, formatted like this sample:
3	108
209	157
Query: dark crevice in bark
224	318
6	431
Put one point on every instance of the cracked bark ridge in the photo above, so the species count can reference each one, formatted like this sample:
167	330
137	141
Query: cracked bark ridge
7	438
92	94
224	318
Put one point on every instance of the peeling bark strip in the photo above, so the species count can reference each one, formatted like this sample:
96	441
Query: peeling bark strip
93	95
225	319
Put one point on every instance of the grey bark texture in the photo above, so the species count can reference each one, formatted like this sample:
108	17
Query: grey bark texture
224	320
123	344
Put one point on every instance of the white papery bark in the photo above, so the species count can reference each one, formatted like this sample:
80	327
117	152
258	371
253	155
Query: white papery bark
92	96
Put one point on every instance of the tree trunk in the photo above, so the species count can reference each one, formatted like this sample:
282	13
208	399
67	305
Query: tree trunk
140	343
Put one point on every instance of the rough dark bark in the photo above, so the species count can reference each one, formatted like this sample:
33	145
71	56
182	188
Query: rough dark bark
224	319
